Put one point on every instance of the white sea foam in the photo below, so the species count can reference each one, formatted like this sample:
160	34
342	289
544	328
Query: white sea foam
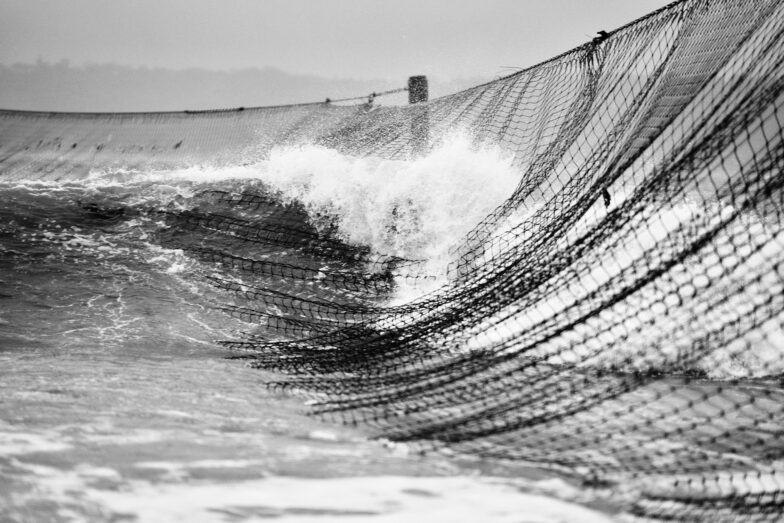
293	499
416	209
18	443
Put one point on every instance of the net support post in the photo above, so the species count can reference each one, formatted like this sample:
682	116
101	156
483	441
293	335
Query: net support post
420	120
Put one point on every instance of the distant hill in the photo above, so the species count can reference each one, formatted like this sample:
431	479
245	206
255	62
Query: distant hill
109	87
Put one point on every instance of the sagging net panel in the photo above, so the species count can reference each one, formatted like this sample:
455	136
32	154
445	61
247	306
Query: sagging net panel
620	318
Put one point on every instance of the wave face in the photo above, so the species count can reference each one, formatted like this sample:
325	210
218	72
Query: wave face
578	266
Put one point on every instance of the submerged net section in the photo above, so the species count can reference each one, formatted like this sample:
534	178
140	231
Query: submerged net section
620	318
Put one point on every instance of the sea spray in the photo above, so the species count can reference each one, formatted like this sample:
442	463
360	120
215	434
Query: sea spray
417	209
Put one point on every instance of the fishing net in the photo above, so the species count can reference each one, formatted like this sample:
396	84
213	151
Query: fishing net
618	319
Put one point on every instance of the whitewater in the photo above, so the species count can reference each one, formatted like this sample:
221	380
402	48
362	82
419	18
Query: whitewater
117	400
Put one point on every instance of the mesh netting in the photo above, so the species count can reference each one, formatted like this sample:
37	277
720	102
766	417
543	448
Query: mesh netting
619	319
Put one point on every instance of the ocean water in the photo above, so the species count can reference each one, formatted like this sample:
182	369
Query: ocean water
635	345
116	402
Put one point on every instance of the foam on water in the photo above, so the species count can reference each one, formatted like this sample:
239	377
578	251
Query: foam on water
416	209
369	498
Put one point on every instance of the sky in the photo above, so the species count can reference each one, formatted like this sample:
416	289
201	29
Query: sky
361	39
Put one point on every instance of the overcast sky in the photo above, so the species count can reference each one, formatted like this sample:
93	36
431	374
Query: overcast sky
363	39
